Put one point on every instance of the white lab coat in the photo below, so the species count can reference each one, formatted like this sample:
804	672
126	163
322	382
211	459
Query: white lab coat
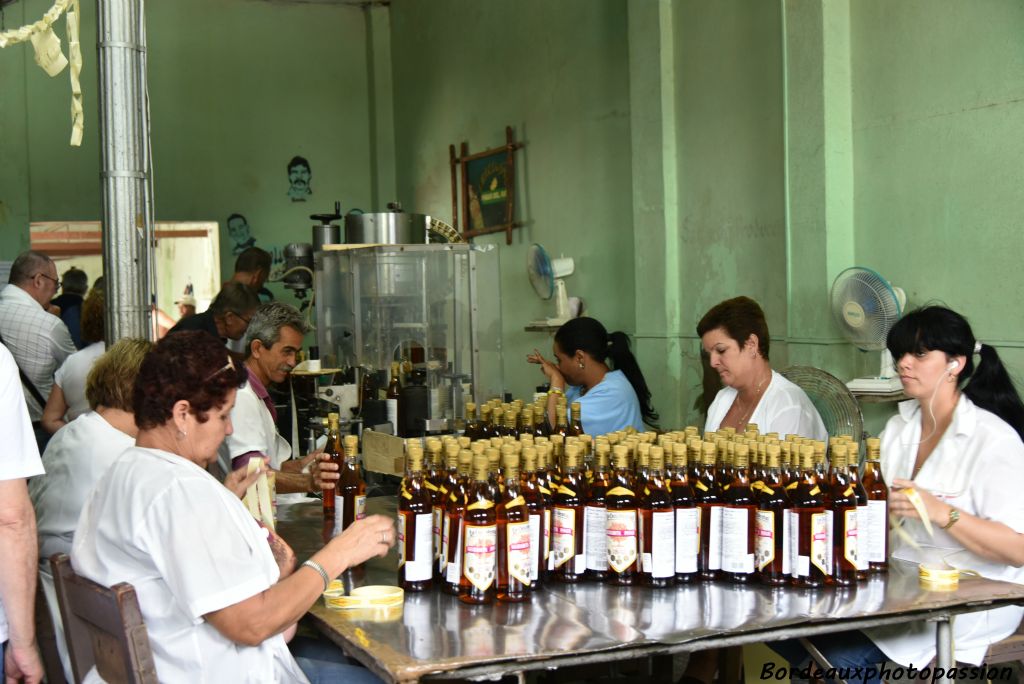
71	377
784	408
189	547
978	467
253	429
20	456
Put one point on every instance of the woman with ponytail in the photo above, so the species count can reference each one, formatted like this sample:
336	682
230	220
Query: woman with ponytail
955	447
612	397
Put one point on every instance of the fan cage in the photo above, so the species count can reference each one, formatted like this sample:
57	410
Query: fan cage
836	405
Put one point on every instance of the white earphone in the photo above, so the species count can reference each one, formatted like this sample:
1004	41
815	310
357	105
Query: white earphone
953	365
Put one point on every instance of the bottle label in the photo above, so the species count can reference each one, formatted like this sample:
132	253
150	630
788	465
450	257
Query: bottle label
799	565
420	565
442	559
454	570
735	541
821	542
715	538
536	547
830	535
401	536
339	506
662	560
850	538
787	542
621	539
437	514
862	537
563	536
687	539
595	523
549	559
479	554
392	409
878	528
764	542
520	560
360	506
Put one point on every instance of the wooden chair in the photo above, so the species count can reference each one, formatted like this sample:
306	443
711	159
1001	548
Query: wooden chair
103	627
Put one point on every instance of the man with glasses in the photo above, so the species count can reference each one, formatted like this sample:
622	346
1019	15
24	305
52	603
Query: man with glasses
228	315
38	340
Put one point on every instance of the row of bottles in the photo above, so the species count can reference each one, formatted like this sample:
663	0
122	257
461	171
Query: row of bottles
513	419
347	502
498	516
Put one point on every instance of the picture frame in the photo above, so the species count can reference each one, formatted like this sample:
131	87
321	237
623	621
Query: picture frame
485	181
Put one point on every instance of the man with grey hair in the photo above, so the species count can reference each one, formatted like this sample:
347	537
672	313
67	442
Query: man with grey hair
272	341
38	340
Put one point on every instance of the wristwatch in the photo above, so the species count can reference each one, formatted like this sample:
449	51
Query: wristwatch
954	515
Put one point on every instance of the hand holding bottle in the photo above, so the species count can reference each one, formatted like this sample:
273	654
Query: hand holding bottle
324	471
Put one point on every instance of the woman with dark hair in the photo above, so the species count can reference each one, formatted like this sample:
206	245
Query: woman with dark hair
609	399
219	594
67	399
734	336
957	444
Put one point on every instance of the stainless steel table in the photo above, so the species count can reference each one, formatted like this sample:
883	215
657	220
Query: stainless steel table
438	637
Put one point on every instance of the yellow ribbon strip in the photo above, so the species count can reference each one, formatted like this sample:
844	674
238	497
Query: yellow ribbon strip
375	596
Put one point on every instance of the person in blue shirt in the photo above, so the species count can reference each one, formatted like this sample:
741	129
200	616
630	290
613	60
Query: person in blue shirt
611	397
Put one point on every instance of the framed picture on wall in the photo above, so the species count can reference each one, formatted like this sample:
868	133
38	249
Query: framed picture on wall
487	189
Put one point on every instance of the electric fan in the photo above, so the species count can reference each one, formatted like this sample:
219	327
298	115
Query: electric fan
834	402
546	277
865	307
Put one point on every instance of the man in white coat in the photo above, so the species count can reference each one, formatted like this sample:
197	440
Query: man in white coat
272	340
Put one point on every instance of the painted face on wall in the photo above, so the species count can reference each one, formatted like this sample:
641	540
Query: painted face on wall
238	230
299	176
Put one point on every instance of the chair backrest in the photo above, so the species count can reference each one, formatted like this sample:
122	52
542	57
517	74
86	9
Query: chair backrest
103	627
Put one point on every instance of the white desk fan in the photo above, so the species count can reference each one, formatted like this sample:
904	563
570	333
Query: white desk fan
546	276
865	307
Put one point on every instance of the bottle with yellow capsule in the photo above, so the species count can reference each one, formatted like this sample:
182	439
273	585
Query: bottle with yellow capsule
657	525
432	481
707	493
878	509
567	521
811	546
845	549
596	517
473	427
772	536
449	483
545	488
415	534
738	521
576	424
687	528
455	508
479	538
863	515
622	522
536	511
514	551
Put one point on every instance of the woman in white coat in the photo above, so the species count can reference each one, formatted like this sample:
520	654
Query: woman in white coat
957	443
219	595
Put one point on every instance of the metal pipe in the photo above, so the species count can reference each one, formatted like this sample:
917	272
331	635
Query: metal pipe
124	134
944	644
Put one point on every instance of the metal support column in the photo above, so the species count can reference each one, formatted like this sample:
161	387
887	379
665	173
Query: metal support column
127	208
944	643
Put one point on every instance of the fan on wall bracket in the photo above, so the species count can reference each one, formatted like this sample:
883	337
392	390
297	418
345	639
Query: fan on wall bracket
865	307
546	275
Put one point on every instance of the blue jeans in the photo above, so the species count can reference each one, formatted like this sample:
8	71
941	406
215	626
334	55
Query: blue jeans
324	663
855	657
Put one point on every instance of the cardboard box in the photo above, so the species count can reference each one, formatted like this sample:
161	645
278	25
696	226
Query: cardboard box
383	453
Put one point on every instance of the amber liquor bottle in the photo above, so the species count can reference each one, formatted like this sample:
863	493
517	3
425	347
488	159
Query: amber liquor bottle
657	525
350	490
863	514
567	521
622	524
449	482
391	398
739	520
707	494
333	449
576	423
514	558
415	533
530	489
878	509
596	517
687	533
455	508
479	539
771	530
473	426
810	546
844	520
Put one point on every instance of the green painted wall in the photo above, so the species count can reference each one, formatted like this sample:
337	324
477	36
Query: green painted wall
14	189
237	88
557	72
938	106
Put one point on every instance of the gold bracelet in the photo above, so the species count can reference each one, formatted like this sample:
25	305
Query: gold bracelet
954	515
556	390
